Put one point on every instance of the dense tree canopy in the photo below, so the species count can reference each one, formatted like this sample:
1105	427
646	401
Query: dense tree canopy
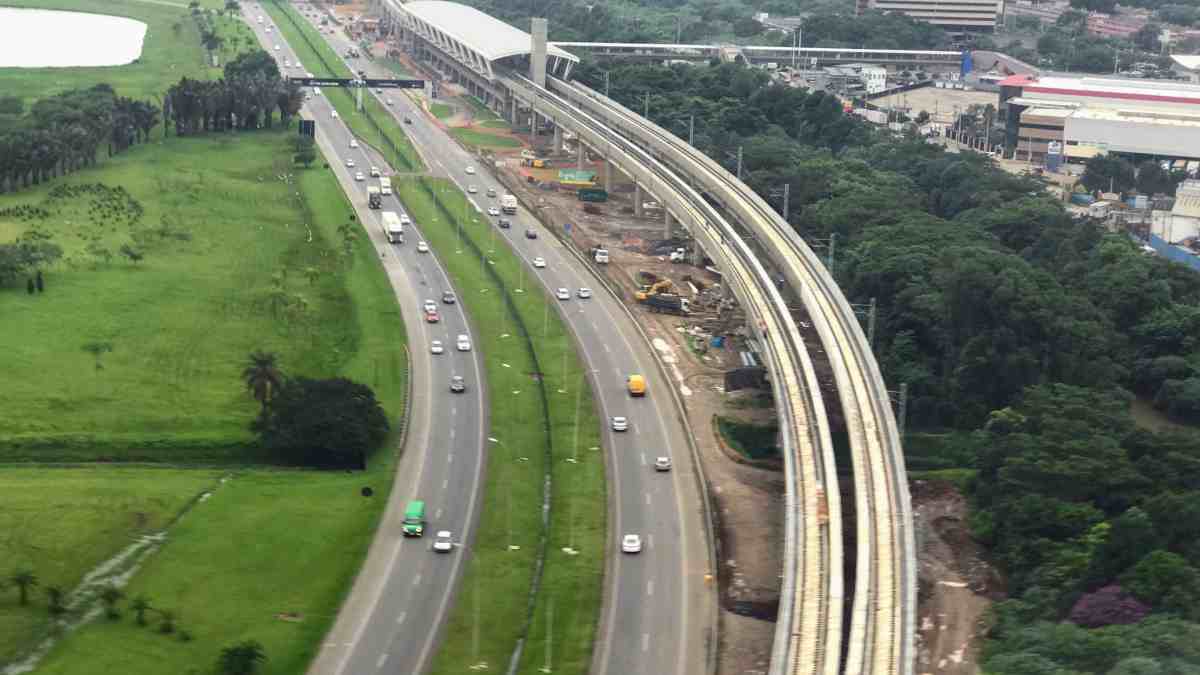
333	423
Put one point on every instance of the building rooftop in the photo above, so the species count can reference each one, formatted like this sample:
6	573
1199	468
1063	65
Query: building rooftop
488	36
1107	87
1189	61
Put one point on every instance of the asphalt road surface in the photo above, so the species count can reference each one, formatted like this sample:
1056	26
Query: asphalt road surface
656	616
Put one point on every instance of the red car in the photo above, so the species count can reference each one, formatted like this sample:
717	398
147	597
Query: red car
432	317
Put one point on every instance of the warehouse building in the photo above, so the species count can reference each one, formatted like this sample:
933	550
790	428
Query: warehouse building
1095	115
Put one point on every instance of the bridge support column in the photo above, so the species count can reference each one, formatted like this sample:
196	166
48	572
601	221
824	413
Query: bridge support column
581	157
668	221
558	140
637	200
608	169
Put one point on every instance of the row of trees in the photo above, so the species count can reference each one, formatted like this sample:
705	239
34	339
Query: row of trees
63	133
245	98
1111	173
1025	329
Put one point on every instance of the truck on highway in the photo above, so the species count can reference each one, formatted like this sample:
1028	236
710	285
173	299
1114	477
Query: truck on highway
600	255
667	303
385	186
392	227
592	194
374	199
508	204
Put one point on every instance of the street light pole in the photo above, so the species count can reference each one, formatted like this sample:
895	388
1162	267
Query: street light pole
692	130
739	167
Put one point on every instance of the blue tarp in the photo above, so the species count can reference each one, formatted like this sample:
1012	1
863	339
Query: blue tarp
1174	253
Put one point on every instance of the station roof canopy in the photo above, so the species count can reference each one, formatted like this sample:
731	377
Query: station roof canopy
485	35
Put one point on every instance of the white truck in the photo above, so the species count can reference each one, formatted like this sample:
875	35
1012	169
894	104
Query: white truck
600	255
508	204
393	227
385	186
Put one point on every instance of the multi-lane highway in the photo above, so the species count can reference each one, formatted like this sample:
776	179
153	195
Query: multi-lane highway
658	614
403	593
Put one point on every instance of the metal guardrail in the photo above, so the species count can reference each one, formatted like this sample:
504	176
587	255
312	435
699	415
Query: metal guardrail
883	620
816	583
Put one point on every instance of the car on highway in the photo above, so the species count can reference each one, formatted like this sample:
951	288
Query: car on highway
662	464
442	542
317	91
429	306
422	247
585	293
464	343
491	192
374	172
448	297
472	189
269	30
353	143
457	384
620	424
531	233
379	90
504	223
349	163
493	211
358	175
539	262
470	171
562	294
436	347
276	47
334	115
631	543
432	317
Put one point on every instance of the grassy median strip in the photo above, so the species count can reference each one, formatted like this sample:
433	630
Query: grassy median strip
558	433
375	124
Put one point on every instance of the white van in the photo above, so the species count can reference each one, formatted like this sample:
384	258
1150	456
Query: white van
385	186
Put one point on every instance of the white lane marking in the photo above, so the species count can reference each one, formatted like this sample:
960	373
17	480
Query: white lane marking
451	434
454	411
606	349
643	459
645	642
437	514
650	587
647	499
449	457
445	484
382	660
400	619
649	541
417	580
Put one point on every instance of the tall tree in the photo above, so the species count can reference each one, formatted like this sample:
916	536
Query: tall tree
262	376
23	580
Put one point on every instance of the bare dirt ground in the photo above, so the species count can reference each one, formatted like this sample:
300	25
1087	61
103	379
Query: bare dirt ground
955	585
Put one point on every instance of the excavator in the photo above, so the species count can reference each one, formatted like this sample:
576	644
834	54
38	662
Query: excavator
662	286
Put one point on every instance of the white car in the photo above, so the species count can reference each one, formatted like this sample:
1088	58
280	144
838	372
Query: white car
276	47
464	343
349	163
436	347
430	306
353	143
470	171
317	91
585	292
562	294
493	211
442	542
334	115
387	101
662	464
269	30
539	262
422	247
375	172
631	543
358	175
620	424
472	189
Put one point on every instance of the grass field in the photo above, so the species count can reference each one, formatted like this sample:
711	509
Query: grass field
315	53
571	584
171	50
94	512
480	139
441	110
395	66
268	557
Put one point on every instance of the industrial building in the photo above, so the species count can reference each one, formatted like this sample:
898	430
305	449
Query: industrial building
1187	66
955	16
1095	115
1182	223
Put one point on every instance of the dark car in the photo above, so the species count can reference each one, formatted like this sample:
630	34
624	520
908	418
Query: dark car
531	234
505	223
457	384
448	297
407	119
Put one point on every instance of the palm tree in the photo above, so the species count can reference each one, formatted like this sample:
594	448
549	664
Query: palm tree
110	595
139	606
262	376
242	658
23	580
166	621
54	595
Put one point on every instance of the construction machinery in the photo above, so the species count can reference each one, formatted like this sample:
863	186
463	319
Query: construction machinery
660	286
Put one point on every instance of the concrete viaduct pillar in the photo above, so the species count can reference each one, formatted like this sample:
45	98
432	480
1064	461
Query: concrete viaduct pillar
637	199
581	157
608	169
558	140
669	221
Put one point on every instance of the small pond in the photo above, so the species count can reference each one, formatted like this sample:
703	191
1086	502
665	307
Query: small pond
39	38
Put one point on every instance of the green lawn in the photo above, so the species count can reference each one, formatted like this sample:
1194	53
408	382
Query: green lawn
482	112
497	580
269	557
320	59
61	522
441	110
396	67
171	50
482	140
495	124
227	248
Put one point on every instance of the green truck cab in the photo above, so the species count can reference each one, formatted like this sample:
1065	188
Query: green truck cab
414	519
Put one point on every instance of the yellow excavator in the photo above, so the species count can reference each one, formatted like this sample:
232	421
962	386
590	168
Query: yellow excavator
661	286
